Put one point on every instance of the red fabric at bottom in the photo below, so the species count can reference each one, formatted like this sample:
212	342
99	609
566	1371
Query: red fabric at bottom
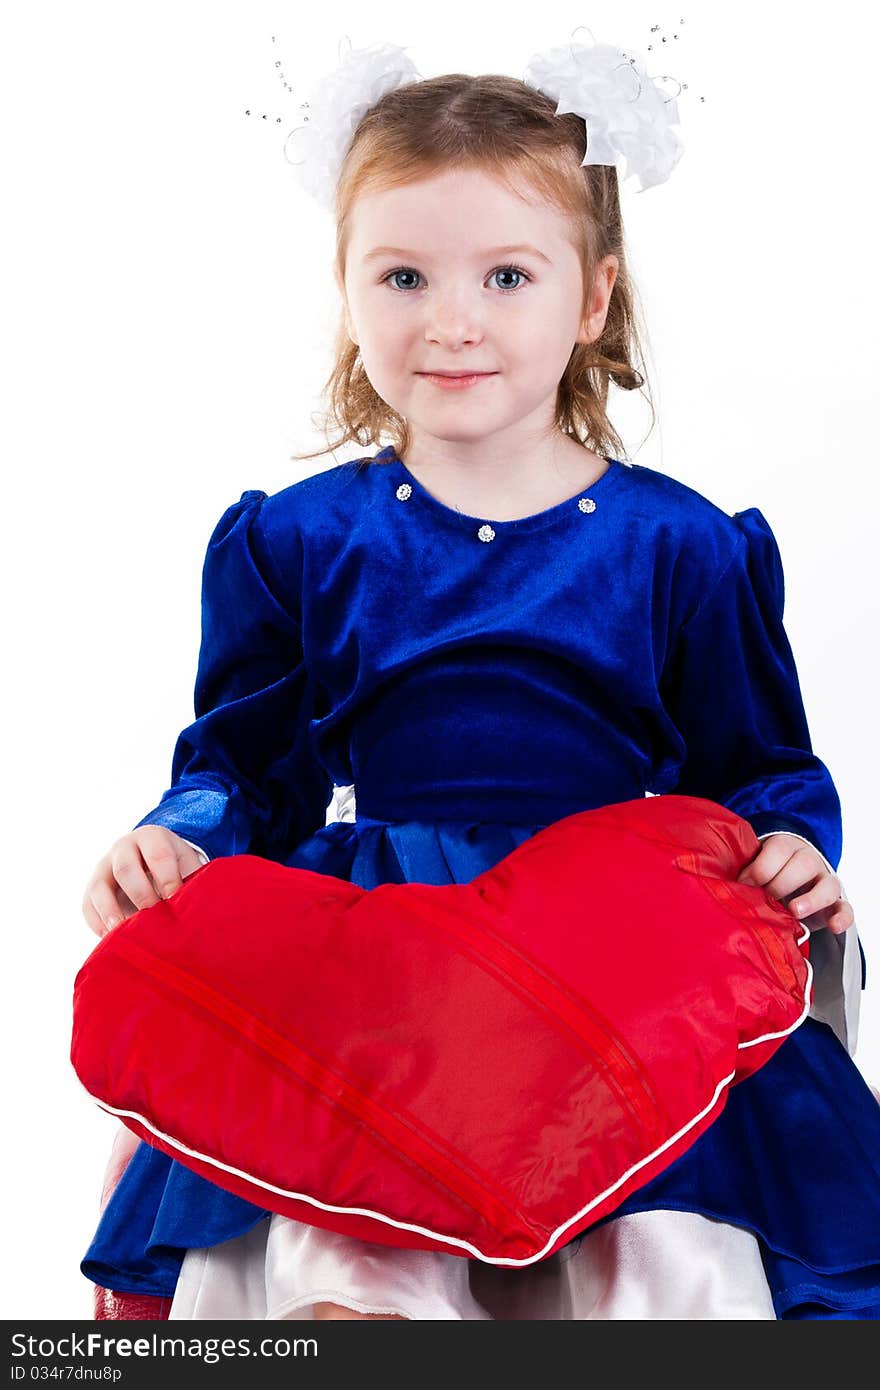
132	1306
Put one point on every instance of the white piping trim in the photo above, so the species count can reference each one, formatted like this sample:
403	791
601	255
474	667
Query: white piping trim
436	1235
806	1009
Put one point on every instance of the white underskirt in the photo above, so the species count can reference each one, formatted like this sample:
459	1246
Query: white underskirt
648	1265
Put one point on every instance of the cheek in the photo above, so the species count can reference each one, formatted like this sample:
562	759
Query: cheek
386	332
386	365
554	339
545	326
388	358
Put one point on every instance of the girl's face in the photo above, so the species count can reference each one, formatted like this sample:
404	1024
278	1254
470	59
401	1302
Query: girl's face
451	296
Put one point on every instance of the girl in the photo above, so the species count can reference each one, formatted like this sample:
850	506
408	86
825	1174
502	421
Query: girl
489	624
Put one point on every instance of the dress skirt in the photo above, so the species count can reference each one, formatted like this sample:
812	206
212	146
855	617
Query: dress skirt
774	1211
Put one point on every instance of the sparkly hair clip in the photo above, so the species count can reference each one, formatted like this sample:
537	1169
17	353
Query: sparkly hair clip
627	114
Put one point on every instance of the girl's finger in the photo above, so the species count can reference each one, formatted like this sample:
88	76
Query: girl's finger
105	904
162	862
772	856
93	917
825	892
803	874
842	919
131	874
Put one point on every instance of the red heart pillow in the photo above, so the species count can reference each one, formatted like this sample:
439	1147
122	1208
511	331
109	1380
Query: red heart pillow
486	1068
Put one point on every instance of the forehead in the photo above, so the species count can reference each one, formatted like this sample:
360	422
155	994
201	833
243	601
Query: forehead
457	210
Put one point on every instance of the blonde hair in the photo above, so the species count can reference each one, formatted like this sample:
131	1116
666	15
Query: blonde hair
509	130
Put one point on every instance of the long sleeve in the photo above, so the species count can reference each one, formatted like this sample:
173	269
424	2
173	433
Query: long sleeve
244	778
731	689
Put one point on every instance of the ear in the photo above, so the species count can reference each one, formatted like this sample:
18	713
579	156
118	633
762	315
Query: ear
600	297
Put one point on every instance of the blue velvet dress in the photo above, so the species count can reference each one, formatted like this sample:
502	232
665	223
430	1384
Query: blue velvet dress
475	681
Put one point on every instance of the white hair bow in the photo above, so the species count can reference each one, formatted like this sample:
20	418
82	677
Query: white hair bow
628	117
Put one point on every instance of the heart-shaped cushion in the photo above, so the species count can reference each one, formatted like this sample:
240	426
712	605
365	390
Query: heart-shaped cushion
485	1068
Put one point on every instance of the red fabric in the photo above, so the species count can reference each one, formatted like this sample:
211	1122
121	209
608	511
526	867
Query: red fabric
486	1068
140	1306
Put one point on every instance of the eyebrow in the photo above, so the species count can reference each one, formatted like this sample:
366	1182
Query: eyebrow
484	255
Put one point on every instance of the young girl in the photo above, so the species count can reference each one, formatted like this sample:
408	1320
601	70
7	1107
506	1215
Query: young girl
485	626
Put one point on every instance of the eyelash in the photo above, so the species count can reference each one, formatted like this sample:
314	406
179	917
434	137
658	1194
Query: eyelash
518	270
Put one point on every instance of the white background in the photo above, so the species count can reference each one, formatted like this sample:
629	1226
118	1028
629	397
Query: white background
168	316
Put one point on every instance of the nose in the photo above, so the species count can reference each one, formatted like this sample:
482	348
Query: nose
451	317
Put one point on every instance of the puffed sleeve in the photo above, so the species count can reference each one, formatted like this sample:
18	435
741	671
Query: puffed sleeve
731	690
244	777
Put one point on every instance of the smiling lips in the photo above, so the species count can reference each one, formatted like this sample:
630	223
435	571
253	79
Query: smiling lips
458	381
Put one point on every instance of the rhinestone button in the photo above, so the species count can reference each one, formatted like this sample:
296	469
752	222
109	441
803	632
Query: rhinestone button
486	533
404	491
586	504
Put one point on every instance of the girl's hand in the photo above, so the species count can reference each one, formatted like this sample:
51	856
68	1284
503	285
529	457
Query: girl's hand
793	872
142	867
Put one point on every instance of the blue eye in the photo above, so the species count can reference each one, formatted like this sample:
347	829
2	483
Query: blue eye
500	270
404	270
510	270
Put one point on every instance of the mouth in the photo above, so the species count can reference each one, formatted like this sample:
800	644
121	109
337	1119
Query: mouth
455	380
